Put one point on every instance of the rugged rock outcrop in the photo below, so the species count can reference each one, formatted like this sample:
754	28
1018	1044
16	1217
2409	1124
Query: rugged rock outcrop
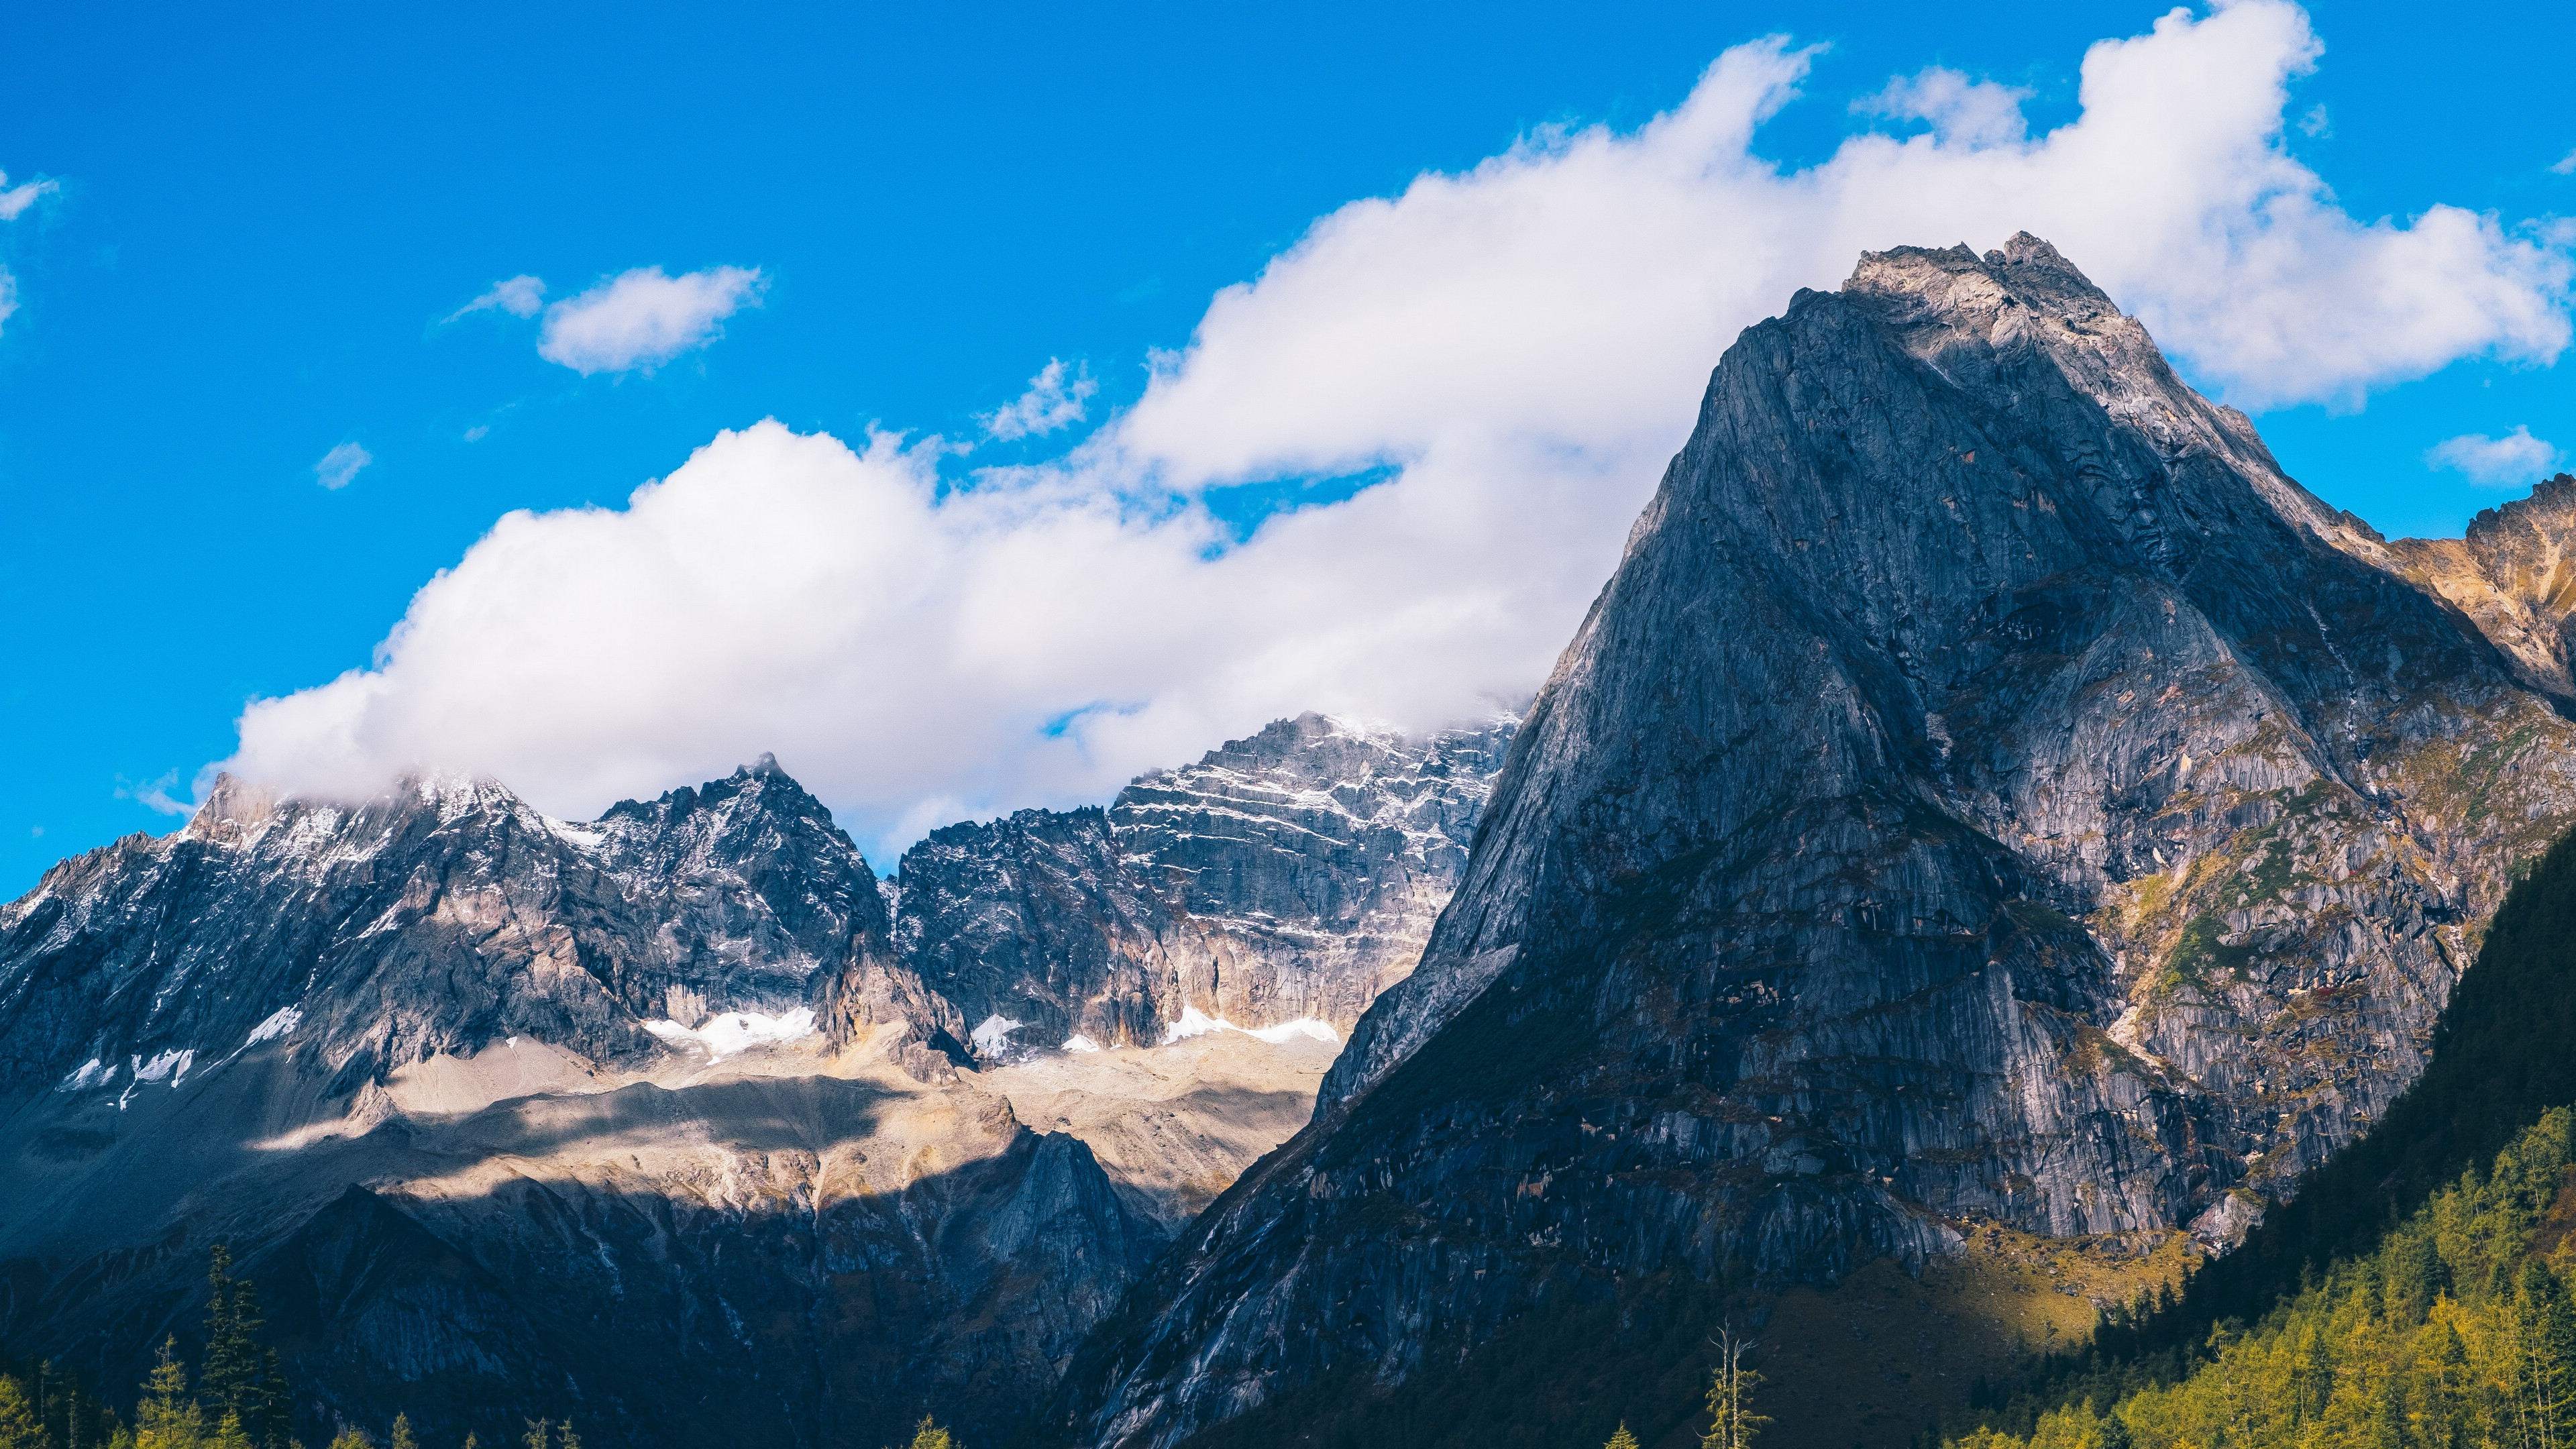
1286	877
1989	792
652	1120
2513	576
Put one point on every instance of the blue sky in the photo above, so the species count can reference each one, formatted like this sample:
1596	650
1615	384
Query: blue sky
255	232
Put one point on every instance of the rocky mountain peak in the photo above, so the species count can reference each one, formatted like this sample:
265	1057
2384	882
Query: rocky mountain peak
1987	792
2514	577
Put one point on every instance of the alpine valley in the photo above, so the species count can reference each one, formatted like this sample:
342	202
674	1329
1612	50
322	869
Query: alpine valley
1994	837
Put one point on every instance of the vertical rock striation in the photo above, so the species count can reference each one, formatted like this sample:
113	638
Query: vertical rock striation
1285	877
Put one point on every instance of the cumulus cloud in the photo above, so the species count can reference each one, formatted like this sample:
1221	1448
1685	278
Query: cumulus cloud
520	296
644	318
915	654
1051	402
2510	461
1519	347
340	466
1962	112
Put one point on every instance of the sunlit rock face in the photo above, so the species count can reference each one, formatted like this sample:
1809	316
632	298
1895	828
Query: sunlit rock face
1989	790
652	1121
1288	877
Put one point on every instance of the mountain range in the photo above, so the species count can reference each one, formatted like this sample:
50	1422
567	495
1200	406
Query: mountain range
1993	838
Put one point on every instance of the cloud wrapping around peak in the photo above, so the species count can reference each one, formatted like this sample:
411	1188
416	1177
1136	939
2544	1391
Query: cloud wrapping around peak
1050	403
339	467
2507	462
520	296
641	319
1520	346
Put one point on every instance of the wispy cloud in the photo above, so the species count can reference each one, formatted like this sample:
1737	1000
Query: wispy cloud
2317	123
520	296
340	466
2506	462
14	200
2565	165
154	794
1051	402
644	318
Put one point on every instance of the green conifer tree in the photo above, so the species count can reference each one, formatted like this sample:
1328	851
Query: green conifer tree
928	1435
168	1418
19	1427
539	1430
230	1434
351	1437
470	1442
401	1437
570	1439
1622	1439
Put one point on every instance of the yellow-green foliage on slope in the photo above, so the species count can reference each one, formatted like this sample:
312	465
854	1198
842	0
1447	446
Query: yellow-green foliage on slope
2458	1331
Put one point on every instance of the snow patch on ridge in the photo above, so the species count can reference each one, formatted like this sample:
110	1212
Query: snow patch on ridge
279	1023
993	1036
732	1033
1195	1022
1080	1043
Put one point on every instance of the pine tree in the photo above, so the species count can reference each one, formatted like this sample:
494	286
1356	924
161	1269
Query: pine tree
19	1427
401	1438
538	1431
570	1439
928	1435
1622	1439
230	1434
231	1377
168	1418
469	1439
351	1437
1732	1422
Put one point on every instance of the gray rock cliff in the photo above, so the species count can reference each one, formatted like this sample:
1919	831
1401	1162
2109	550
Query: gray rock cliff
1989	791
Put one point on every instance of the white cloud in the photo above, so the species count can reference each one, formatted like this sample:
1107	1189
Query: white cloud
644	318
2510	461
154	794
2317	123
2565	165
1524	343
1962	112
340	466
520	296
14	200
1050	403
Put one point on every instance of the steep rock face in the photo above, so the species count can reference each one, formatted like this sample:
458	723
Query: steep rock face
1988	790
2513	576
438	918
1289	876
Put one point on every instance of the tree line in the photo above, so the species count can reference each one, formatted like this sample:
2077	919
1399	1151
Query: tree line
2463	1144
